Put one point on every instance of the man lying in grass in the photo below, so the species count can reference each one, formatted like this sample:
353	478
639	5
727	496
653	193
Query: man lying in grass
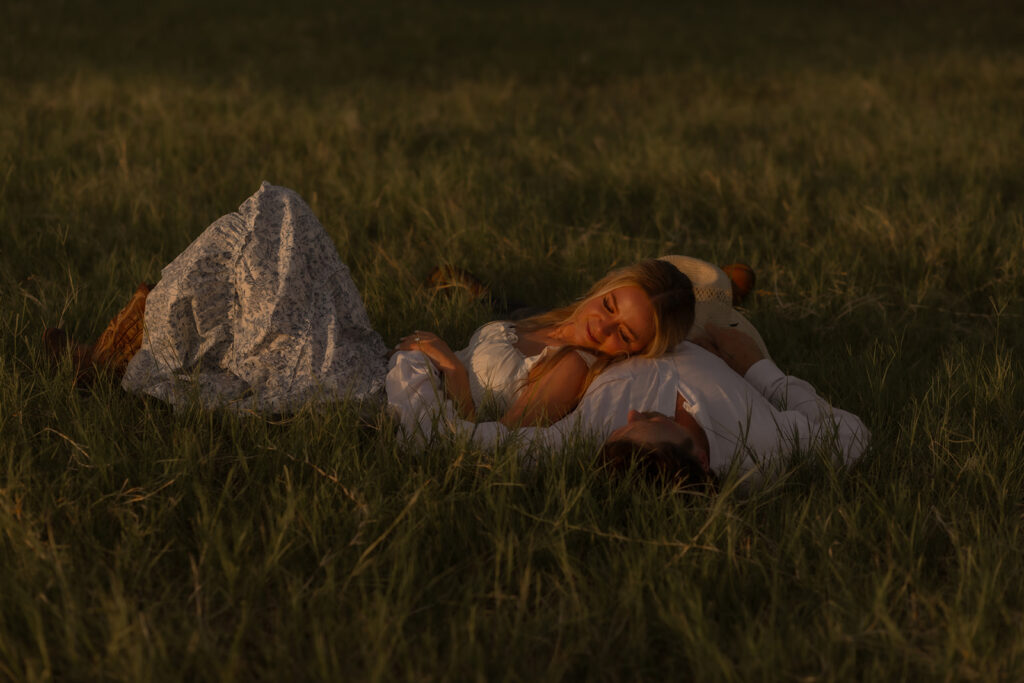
724	405
716	404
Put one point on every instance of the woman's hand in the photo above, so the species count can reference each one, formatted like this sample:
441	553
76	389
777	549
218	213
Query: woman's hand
435	348
456	379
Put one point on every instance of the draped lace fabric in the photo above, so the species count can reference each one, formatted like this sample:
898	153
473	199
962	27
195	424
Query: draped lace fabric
259	313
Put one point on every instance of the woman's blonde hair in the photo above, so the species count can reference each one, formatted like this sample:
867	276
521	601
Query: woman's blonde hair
670	293
671	296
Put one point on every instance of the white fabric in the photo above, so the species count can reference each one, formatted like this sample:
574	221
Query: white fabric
496	368
258	312
752	423
497	371
710	283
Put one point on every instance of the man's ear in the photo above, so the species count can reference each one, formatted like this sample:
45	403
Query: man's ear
702	456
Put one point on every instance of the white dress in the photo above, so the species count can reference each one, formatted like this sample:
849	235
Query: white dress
497	369
259	313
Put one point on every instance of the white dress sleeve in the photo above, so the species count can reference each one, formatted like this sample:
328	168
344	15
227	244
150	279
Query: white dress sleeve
812	419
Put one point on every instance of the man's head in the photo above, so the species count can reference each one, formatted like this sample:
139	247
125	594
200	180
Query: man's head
662	449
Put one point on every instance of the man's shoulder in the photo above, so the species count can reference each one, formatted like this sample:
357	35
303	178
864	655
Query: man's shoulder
684	355
636	368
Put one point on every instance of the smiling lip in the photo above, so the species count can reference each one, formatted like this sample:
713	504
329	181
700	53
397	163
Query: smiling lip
590	334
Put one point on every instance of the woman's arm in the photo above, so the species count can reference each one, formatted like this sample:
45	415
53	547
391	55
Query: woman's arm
456	379
550	397
546	399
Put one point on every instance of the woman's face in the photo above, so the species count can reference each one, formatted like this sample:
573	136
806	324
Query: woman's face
617	323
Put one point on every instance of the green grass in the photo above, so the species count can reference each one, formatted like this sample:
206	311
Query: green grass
868	162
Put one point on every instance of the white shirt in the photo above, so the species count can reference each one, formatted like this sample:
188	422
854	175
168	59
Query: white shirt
752	423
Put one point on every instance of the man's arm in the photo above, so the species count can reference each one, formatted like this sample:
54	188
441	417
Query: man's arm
791	394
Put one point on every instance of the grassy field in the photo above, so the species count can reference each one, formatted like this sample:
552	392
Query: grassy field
867	161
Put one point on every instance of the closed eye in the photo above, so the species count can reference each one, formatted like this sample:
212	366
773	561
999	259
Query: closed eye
608	305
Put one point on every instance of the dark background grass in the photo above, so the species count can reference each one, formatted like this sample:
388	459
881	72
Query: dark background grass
307	48
867	159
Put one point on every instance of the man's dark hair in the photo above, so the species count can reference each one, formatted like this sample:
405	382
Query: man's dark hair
661	463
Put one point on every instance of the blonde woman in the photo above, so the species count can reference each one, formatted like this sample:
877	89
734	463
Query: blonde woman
259	313
534	371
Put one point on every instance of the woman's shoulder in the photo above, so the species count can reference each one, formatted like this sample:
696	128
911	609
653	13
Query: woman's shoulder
568	359
492	351
503	334
587	357
496	331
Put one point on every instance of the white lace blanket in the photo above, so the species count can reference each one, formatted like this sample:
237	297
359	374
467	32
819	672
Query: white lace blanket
259	313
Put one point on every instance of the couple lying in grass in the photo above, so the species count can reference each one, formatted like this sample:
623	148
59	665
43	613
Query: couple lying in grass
260	313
